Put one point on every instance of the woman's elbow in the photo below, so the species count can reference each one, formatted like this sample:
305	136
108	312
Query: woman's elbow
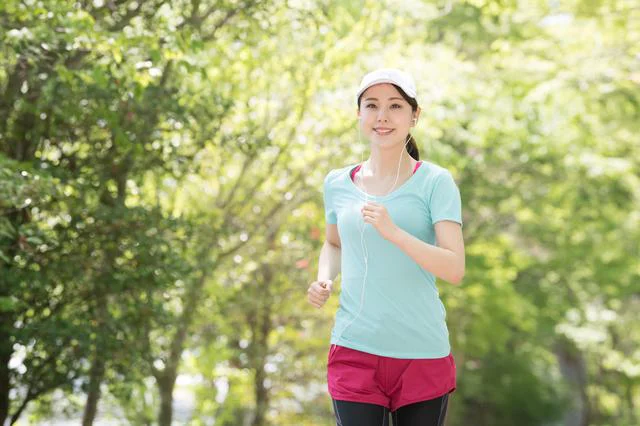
456	279
460	269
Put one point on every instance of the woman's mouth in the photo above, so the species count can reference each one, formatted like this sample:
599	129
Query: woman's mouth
382	131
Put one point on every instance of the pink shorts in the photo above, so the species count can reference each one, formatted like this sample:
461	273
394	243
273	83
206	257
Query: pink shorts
358	376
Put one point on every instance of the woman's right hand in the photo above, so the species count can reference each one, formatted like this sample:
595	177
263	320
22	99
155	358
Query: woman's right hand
319	292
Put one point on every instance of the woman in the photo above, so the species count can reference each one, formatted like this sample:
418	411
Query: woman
393	225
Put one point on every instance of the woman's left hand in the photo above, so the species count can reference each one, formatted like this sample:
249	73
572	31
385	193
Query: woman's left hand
377	215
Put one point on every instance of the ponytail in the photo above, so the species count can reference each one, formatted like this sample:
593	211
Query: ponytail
412	148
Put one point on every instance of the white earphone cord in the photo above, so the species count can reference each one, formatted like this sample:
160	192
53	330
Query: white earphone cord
364	249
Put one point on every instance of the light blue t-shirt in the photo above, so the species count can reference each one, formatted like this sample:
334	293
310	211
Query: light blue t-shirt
402	315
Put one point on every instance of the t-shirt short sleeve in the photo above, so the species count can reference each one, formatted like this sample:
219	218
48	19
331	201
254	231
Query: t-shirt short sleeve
445	203
329	210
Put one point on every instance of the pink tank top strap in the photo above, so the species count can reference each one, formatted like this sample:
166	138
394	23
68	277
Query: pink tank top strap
354	171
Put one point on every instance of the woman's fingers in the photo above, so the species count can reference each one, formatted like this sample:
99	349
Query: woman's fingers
317	294
320	288
318	303
318	298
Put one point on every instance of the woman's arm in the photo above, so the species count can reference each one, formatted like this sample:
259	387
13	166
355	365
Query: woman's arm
330	254
329	262
446	260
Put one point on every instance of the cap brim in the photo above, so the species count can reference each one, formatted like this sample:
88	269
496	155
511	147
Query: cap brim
373	83
383	80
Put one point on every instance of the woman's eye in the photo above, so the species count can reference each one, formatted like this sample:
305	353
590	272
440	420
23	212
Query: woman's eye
396	106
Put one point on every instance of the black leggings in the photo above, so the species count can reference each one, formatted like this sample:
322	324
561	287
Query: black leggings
424	413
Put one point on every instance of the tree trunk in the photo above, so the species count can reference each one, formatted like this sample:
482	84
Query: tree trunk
96	375
633	420
7	320
573	370
18	413
5	356
166	378
93	394
262	401
261	331
166	383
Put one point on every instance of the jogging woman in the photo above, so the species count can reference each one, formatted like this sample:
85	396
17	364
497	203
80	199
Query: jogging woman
394	224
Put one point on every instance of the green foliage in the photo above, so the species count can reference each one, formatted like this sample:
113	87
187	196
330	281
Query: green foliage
160	209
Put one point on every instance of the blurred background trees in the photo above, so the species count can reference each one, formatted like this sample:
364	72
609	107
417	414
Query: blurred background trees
161	212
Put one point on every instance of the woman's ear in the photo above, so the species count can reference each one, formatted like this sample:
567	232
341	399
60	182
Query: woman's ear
415	116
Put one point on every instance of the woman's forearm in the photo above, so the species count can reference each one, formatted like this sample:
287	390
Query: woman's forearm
329	262
442	263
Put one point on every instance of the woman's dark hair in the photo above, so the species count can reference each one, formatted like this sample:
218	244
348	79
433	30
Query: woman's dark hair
412	146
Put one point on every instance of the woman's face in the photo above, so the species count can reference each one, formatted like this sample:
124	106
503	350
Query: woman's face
385	117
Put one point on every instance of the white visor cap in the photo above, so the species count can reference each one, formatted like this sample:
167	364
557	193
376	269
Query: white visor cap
388	75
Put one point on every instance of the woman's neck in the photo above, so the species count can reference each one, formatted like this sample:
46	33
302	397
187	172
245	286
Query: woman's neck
385	165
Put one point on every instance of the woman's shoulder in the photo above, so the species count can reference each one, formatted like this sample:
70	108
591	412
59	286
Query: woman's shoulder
434	168
335	174
437	178
435	172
